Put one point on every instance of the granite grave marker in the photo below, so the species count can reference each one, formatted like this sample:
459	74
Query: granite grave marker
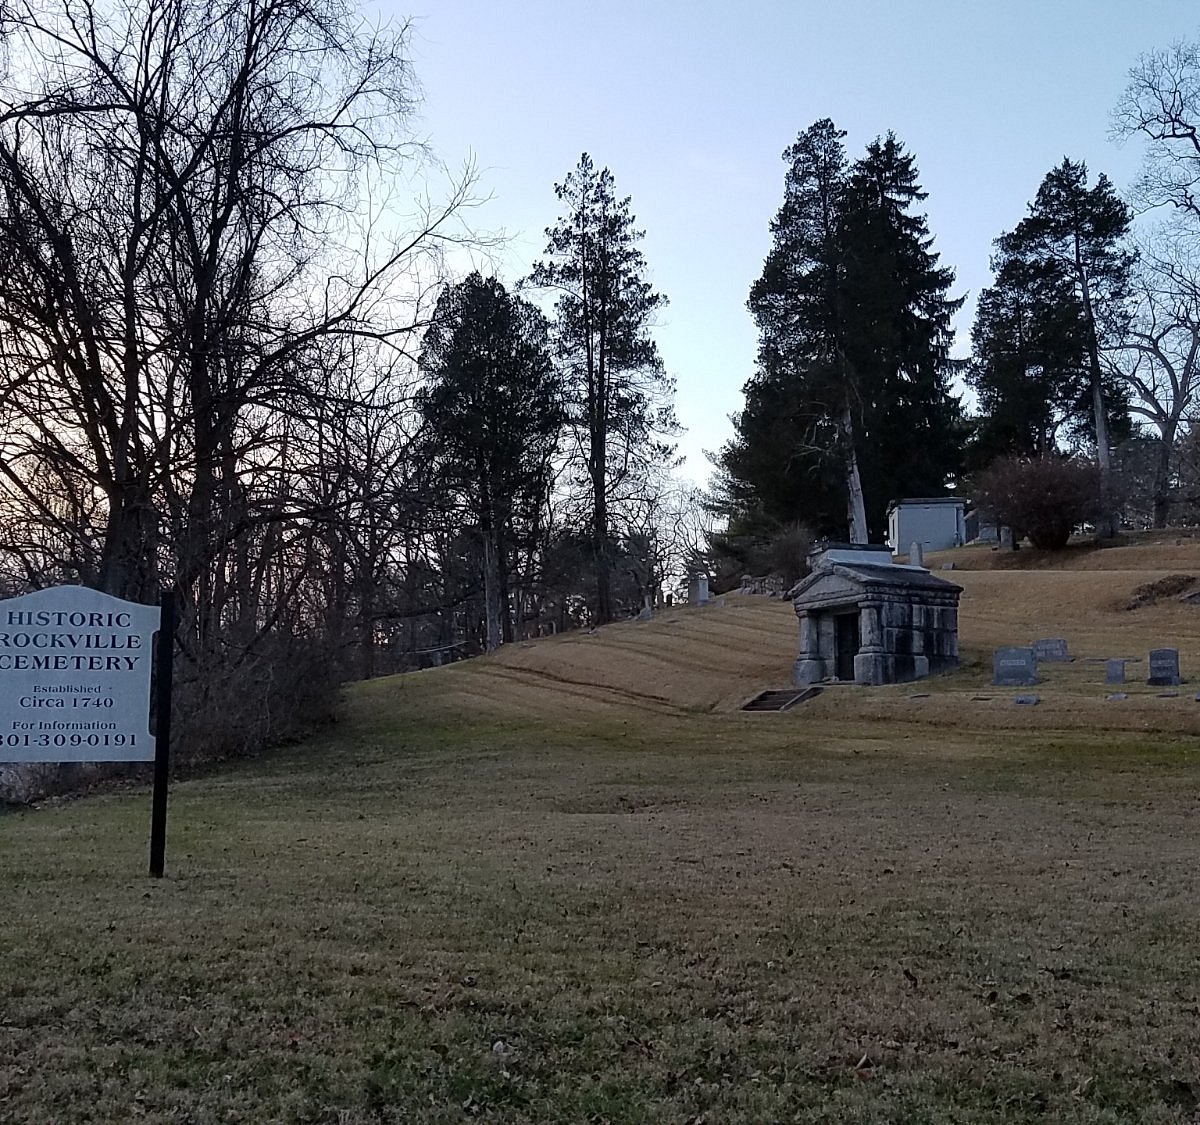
1053	650
1014	667
1164	667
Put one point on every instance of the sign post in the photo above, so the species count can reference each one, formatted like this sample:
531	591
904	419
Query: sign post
162	734
75	673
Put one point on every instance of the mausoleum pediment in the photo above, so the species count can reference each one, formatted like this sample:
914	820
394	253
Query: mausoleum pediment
827	586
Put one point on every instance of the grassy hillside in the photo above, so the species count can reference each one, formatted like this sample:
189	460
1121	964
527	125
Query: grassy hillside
571	882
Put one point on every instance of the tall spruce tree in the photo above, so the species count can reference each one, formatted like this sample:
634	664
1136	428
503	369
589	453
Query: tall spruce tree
797	304
1029	361
898	333
493	401
619	398
1029	366
851	403
1083	230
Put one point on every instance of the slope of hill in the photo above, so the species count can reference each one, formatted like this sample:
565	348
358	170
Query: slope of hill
713	659
572	882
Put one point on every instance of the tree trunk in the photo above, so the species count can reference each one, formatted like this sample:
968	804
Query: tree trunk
128	565
1106	525
603	569
491	593
856	506
504	577
599	471
1162	472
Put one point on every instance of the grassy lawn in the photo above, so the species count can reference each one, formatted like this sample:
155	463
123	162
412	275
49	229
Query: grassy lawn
451	910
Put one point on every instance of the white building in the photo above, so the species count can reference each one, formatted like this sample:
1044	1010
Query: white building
935	522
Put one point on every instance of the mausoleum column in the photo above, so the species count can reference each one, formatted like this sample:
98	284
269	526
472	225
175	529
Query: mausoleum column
808	636
809	667
870	627
870	665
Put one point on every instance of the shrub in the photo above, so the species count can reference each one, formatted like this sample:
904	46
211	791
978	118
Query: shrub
759	549
1045	497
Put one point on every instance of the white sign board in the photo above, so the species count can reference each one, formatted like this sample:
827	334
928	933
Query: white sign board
75	670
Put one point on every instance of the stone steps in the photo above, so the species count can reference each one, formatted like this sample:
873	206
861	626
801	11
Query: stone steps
780	700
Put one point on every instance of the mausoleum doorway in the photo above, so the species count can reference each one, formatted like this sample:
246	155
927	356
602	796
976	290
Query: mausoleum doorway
846	639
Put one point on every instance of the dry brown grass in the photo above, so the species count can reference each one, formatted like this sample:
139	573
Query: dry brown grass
572	883
715	658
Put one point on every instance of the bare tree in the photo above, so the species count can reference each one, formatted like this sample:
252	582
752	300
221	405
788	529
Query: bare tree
1161	103
1158	356
180	182
200	213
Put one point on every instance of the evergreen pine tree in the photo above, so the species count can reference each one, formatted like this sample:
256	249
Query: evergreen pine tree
619	398
493	402
851	403
897	325
1084	231
790	456
1029	361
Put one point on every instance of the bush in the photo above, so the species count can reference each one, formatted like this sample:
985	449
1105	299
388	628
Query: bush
759	549
1045	498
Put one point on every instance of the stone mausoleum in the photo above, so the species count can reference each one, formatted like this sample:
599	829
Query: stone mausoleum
867	620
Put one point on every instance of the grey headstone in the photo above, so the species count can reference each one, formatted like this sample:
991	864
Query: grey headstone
1164	667
948	566
1008	541
1117	695
1014	667
916	555
1114	672
1053	650
1027	700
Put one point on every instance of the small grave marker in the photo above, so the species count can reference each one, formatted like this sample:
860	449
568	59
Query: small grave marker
1116	696
1114	672
1053	650
1027	700
916	555
1164	667
1014	667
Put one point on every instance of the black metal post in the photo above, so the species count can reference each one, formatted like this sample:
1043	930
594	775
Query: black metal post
162	734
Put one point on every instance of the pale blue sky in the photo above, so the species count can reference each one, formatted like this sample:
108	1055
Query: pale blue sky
691	104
